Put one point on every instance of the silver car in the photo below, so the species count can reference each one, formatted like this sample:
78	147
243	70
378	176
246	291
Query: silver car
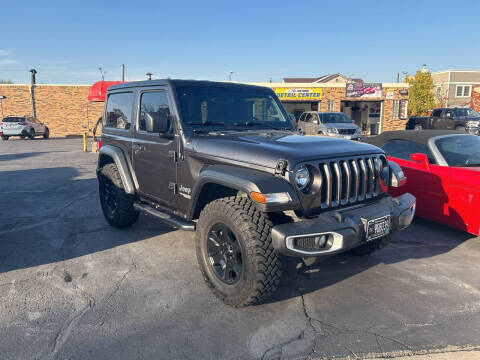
335	124
23	126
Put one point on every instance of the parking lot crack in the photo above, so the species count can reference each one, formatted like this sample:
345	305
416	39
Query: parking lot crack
64	333
119	283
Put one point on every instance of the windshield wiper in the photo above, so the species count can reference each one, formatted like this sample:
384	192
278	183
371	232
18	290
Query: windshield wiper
260	123
206	123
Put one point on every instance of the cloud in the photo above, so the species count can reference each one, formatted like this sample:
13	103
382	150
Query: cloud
4	62
4	52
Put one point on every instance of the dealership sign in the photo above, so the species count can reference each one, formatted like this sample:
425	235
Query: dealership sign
298	94
363	90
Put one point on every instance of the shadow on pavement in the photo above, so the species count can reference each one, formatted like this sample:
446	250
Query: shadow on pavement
53	214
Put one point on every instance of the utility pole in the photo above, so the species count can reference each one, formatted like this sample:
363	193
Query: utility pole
123	72
398	77
102	73
33	81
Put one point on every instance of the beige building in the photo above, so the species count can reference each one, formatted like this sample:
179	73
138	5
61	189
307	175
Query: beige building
453	88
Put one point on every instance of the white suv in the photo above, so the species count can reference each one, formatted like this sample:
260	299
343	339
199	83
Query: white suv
23	126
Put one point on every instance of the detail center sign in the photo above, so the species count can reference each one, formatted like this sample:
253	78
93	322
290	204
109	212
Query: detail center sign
289	94
363	90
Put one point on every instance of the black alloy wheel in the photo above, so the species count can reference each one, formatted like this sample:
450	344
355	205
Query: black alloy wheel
224	253
109	196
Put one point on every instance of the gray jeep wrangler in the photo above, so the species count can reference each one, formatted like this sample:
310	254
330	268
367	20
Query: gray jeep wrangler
224	160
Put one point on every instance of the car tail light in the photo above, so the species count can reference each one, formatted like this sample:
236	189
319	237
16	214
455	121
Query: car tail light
99	144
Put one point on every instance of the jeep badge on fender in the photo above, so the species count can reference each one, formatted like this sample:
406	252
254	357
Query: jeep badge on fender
224	160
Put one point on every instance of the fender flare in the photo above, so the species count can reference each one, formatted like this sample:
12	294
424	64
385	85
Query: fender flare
246	180
119	159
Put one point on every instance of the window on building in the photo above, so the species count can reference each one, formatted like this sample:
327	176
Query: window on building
154	104
331	105
396	109
463	90
438	92
119	110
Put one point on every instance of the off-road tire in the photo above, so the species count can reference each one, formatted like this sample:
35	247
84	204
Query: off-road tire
31	135
261	264
4	137
124	214
371	246
46	134
418	127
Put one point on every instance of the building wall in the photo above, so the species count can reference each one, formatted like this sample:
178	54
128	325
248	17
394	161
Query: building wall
64	108
448	81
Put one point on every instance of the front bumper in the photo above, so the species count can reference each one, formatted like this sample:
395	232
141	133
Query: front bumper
473	130
345	228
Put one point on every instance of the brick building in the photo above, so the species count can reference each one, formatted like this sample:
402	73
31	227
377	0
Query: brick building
375	107
64	108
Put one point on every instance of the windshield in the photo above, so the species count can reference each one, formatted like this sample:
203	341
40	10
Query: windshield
226	105
460	150
335	118
13	119
465	112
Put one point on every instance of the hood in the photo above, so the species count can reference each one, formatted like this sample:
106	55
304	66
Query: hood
468	118
265	148
341	125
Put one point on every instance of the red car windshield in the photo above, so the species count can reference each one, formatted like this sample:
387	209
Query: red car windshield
460	150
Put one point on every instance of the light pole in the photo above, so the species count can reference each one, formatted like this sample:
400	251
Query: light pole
230	76
102	73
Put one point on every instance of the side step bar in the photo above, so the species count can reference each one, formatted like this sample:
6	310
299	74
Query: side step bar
171	220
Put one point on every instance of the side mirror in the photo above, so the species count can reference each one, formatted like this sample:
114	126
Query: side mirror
421	158
157	122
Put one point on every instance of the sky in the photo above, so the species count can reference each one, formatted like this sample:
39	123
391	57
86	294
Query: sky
67	41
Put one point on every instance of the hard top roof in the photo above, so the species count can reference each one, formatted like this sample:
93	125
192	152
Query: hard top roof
178	82
420	136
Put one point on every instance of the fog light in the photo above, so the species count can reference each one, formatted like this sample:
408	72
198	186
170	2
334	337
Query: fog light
312	243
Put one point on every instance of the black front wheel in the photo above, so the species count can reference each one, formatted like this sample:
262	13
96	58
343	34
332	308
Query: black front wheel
46	134
117	205
4	137
31	136
235	251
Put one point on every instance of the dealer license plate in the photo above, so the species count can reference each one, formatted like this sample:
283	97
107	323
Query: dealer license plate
378	227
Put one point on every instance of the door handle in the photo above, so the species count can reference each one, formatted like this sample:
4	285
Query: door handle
138	148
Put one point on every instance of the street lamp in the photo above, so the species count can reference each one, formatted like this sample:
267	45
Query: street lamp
149	75
230	76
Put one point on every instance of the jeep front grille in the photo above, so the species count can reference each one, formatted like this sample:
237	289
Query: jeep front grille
346	131
345	181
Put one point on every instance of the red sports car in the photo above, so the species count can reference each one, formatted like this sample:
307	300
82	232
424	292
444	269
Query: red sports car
443	172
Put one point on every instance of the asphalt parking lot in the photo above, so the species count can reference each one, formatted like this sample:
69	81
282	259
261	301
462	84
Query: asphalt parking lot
71	287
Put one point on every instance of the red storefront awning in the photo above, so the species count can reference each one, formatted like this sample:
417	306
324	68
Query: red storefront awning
98	90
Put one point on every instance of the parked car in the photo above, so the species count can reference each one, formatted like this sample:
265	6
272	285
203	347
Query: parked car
443	171
459	119
224	160
335	124
23	126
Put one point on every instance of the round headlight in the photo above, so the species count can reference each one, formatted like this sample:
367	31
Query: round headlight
302	177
